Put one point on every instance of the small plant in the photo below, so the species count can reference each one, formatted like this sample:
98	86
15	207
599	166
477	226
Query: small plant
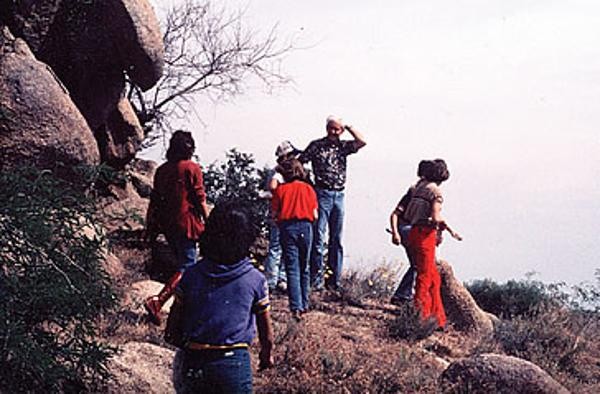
376	285
409	325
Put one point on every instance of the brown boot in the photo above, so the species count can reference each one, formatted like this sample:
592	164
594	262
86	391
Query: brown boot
154	304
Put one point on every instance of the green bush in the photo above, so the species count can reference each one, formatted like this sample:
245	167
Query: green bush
555	328
513	298
52	285
408	324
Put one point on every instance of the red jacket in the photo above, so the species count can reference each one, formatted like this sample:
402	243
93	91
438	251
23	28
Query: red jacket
176	198
294	200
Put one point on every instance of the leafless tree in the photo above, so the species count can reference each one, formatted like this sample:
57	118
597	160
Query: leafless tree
209	52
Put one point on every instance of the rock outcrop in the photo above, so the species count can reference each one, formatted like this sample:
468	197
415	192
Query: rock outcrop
90	45
39	124
494	373
462	310
142	368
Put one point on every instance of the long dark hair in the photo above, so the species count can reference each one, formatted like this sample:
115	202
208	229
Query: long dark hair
181	146
228	234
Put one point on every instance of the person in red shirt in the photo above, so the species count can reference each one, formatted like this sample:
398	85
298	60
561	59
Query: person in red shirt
178	210
295	207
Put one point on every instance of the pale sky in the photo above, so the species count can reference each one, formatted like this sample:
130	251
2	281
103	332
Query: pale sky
507	92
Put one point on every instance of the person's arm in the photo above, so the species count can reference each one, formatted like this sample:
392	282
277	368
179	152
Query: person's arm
275	205
265	337
275	181
396	238
198	193
359	140
174	328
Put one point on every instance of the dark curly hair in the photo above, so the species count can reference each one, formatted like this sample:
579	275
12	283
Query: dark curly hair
228	235
438	172
424	167
181	146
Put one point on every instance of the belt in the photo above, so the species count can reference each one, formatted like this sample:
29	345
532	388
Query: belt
206	346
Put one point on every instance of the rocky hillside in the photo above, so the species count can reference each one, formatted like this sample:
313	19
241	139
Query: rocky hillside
354	342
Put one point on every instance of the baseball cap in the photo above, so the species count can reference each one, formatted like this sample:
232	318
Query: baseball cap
285	148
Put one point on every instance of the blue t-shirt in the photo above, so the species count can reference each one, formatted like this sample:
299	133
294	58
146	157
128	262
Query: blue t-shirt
220	302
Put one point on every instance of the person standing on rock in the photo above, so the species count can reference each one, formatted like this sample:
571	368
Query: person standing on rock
217	305
328	159
178	210
423	213
400	229
295	209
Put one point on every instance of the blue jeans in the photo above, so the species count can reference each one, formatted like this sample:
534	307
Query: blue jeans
217	371
331	215
185	251
405	290
274	267
296	240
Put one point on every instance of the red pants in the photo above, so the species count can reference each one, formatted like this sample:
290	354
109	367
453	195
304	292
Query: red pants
428	297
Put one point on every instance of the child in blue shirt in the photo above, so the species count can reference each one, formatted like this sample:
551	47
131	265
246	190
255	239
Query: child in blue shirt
217	304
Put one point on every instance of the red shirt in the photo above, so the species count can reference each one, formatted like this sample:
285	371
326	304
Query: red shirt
178	192
294	200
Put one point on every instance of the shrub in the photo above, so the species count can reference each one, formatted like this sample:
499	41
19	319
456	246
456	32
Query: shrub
513	298
409	325
555	329
357	287
52	285
238	179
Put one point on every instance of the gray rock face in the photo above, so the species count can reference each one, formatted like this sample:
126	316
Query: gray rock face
90	45
462	310
121	136
142	367
39	124
494	373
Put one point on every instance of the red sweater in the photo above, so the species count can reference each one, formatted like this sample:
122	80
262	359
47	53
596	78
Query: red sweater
294	200
178	191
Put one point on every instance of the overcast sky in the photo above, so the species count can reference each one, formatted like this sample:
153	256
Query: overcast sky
506	91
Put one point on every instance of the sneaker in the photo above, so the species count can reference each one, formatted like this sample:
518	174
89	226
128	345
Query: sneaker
153	306
297	316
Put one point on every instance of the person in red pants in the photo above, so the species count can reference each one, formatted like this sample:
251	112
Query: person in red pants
178	210
424	214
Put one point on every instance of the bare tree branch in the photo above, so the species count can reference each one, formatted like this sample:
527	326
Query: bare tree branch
209	52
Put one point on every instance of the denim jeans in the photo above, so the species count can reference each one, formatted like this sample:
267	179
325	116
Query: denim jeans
405	290
185	251
331	216
217	371
274	267
296	240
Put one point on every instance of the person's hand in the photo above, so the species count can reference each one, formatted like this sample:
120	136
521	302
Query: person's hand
396	239
266	359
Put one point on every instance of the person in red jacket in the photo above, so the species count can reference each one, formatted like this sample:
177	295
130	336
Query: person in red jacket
178	210
295	207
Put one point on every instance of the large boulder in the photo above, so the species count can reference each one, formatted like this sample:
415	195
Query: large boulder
461	309
90	45
121	136
142	367
39	124
494	373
